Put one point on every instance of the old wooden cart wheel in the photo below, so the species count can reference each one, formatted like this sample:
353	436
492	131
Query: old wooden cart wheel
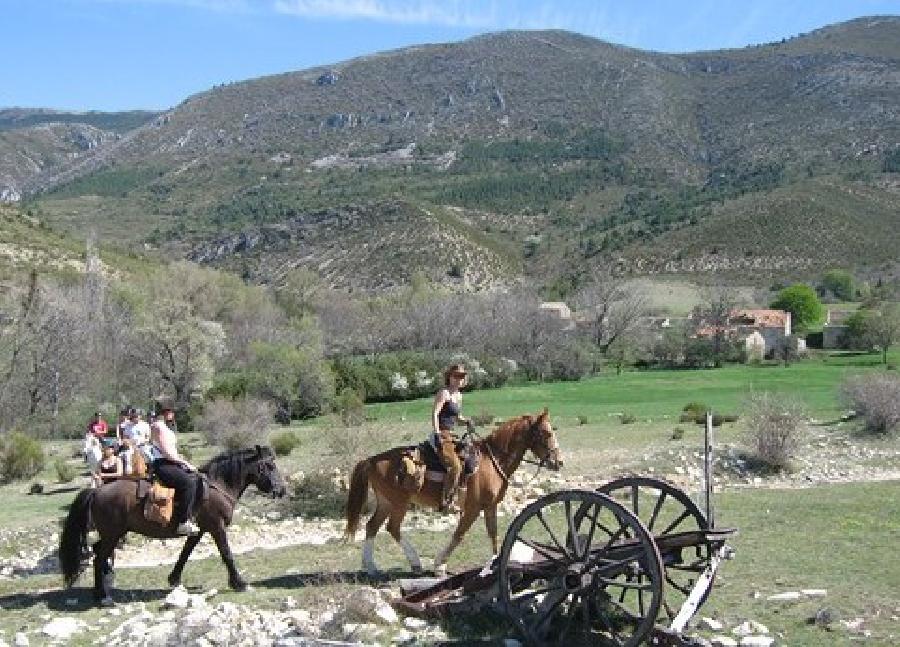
578	568
665	510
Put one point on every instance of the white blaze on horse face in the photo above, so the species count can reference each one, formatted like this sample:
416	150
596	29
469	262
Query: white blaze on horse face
368	556
411	555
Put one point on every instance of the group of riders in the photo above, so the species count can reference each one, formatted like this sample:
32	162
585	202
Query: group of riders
137	447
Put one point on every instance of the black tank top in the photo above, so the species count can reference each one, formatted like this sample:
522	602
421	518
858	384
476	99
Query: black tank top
447	415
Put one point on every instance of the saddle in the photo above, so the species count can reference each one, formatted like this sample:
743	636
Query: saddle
159	500
419	463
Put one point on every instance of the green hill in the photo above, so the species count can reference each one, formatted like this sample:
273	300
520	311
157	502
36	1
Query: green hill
569	147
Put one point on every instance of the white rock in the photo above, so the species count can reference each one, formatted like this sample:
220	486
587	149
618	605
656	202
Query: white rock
403	636
788	596
386	614
62	628
814	593
414	624
511	642
3	643
21	639
758	627
757	641
159	633
178	598
711	624
723	641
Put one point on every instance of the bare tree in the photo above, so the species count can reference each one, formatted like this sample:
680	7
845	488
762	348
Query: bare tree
611	307
714	314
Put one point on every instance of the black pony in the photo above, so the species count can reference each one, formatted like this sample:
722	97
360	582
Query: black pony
115	510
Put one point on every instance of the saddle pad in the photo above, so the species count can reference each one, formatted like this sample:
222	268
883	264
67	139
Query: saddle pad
159	504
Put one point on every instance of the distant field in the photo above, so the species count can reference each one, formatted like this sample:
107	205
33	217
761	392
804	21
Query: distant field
654	394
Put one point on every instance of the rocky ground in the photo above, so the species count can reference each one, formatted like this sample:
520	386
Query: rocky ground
365	616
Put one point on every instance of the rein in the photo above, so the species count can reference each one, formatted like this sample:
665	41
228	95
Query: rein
222	490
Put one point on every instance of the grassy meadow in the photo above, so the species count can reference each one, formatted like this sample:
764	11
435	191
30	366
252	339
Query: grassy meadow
838	537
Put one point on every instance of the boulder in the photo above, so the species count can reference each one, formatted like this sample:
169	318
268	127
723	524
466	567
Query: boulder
723	641
711	624
62	628
179	598
757	641
825	617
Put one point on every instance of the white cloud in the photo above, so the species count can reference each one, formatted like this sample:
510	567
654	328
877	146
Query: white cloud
488	14
455	13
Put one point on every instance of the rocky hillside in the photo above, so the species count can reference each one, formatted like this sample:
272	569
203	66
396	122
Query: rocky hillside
606	151
36	143
368	247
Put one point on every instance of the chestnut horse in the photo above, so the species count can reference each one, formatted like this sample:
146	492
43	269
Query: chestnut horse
501	454
115	510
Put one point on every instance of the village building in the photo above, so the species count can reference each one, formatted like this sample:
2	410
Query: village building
763	332
834	332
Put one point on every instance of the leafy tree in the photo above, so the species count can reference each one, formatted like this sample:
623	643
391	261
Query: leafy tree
297	381
803	304
874	328
839	283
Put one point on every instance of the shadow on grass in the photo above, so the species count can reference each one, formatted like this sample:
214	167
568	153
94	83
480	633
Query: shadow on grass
79	598
328	578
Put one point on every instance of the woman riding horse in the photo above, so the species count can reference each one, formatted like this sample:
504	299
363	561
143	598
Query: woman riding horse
501	454
115	509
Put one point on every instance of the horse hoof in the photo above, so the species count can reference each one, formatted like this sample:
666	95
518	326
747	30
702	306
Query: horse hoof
106	602
440	570
174	581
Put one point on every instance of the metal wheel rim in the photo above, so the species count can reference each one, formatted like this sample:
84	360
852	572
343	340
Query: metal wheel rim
605	587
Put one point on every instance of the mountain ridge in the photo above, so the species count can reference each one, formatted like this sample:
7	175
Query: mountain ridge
547	124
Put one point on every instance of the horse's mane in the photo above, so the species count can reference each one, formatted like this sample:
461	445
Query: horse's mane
228	467
505	431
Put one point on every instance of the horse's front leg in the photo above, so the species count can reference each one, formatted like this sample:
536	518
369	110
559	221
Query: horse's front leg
469	515
187	549
235	580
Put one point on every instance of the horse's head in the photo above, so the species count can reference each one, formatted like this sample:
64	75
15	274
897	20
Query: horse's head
542	441
266	476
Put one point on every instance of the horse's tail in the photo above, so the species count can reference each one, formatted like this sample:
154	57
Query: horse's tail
359	491
73	535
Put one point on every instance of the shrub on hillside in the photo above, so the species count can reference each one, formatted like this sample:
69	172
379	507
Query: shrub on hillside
21	457
285	442
350	407
876	399
234	424
695	408
319	494
628	418
773	428
677	433
65	473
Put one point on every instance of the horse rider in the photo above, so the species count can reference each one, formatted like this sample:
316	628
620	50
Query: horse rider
137	432
175	472
444	415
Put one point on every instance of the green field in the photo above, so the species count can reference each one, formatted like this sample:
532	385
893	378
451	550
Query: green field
837	537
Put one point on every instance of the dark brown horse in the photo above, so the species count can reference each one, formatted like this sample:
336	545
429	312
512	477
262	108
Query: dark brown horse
501	454
115	510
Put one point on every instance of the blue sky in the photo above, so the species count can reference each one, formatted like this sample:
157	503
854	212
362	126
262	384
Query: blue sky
125	54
